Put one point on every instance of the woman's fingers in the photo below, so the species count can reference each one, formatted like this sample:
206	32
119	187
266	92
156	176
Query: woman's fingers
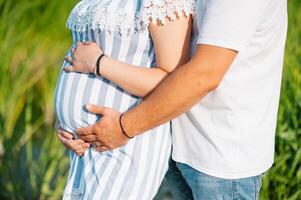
80	147
62	139
72	49
102	148
87	43
68	143
86	145
80	153
64	133
78	43
69	69
69	59
80	144
76	145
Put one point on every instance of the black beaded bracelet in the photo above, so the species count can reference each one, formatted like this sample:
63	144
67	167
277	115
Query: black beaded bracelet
97	72
122	129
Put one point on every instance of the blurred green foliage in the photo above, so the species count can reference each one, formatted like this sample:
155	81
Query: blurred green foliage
283	181
34	165
33	39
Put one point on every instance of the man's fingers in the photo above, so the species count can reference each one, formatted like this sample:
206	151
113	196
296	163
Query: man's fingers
89	130
88	138
69	69
95	109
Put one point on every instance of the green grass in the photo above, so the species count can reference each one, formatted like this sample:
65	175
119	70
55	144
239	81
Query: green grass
33	39
283	181
34	165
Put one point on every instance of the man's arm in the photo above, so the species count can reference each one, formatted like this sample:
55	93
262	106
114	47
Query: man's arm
180	90
227	27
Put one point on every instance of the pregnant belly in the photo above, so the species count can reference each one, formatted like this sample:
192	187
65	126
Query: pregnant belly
74	90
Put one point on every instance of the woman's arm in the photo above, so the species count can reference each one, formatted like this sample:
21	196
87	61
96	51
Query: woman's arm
78	146
172	47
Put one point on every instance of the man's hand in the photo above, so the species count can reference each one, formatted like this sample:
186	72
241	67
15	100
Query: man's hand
106	131
180	90
83	58
78	146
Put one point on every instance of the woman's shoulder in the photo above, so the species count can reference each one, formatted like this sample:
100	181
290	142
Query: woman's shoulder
126	16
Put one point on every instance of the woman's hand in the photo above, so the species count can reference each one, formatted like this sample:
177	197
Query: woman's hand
78	146
83	58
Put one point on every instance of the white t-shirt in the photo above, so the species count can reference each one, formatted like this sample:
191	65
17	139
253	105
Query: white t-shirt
231	132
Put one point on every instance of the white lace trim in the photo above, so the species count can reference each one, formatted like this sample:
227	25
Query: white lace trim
94	15
158	11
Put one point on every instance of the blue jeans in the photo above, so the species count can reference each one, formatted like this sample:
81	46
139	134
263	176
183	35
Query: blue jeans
187	183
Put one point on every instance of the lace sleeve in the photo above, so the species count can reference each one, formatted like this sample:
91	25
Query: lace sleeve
158	11
95	14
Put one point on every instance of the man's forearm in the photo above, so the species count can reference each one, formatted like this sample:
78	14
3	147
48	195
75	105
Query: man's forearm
178	92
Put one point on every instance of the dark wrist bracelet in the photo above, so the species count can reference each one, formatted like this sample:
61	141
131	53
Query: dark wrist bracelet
122	129
97	72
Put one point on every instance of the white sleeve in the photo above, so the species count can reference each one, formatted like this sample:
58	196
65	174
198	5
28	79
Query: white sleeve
158	11
230	23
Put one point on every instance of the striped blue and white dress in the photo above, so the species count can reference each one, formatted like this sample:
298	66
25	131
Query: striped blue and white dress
136	170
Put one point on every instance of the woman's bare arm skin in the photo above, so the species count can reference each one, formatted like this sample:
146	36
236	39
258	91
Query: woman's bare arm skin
172	47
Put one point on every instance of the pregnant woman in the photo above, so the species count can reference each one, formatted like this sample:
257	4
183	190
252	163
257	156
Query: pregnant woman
143	41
